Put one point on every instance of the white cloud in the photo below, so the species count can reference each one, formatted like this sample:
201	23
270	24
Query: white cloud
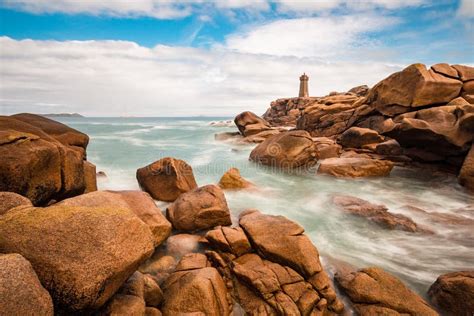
320	37
122	78
171	9
466	9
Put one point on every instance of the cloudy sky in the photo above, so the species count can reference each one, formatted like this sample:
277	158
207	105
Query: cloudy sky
213	58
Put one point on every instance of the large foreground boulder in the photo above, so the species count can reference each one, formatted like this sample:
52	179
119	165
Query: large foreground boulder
21	293
355	167
37	165
195	289
413	87
166	179
287	150
140	203
250	124
454	293
82	255
202	208
9	200
466	175
376	292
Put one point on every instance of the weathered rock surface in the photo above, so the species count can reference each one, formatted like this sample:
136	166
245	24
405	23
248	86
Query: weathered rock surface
286	150
466	175
356	137
90	177
9	200
376	213
285	112
166	179
361	91
355	167
197	291
332	115
138	202
82	255
414	86
326	148
232	180
389	147
21	293
202	208
275	271
454	293
444	130
249	123
64	134
36	165
376	292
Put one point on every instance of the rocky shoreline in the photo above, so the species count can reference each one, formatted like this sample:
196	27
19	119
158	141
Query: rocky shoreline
66	248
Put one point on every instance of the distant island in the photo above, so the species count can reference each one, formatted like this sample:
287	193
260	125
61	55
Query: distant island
62	115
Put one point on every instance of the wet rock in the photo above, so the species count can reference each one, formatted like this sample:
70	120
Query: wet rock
21	293
90	177
166	179
466	175
232	180
376	213
287	150
140	203
181	244
356	137
202	208
82	255
454	293
376	292
355	167
227	136
249	123
413	87
9	200
199	291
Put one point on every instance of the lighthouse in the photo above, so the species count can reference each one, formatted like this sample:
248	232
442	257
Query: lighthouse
303	86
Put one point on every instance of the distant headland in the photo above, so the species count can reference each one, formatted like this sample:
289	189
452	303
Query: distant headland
62	115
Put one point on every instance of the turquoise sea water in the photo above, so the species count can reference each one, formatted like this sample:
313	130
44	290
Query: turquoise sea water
118	146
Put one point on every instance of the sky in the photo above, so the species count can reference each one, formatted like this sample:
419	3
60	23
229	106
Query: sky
213	58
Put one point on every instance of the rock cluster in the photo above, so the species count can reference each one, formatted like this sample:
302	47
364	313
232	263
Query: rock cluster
271	267
42	159
414	115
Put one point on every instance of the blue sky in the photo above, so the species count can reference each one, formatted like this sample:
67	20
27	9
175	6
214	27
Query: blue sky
222	56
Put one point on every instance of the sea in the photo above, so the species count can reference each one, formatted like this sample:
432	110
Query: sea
119	146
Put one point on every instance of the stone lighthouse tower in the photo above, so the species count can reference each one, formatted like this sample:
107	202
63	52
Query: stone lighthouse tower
304	86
